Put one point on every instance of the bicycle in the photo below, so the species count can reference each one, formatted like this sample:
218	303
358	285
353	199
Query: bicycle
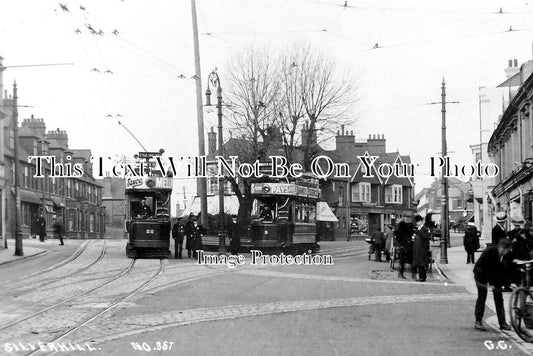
521	303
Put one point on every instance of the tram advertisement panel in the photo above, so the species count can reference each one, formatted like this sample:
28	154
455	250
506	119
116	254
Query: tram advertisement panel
289	189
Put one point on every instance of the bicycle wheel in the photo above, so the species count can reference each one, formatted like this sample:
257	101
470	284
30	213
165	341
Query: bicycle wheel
520	304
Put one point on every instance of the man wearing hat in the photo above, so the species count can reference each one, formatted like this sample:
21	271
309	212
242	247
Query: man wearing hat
189	230
471	242
489	272
498	231
514	233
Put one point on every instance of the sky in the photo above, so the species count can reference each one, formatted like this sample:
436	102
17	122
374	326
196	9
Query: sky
468	43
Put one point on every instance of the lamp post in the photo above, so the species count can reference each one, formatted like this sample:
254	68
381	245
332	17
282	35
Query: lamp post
214	80
18	233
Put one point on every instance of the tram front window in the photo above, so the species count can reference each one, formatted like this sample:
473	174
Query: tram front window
264	210
142	209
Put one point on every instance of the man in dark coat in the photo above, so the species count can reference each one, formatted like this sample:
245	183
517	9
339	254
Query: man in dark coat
421	248
235	244
489	272
522	245
471	242
144	210
197	233
378	238
498	231
40	223
189	229
403	236
178	232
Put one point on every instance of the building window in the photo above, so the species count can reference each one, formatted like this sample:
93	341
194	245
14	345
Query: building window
341	196
355	192
459	203
393	194
91	223
364	190
478	157
25	178
361	192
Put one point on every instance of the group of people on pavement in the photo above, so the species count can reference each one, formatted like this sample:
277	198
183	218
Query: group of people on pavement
495	269
412	245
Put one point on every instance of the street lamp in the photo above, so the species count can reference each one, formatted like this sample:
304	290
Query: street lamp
18	232
214	80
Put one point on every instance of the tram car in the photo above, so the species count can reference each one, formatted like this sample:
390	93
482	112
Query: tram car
148	217
284	215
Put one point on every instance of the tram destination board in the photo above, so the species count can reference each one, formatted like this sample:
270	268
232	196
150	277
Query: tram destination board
144	155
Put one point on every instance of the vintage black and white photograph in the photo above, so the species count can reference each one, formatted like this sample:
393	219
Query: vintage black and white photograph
266	177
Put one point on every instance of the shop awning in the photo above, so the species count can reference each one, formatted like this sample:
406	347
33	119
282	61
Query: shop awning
28	196
324	213
58	202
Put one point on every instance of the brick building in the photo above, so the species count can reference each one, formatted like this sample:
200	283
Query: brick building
76	202
511	148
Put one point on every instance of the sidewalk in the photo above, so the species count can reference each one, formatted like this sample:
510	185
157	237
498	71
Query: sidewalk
461	273
29	248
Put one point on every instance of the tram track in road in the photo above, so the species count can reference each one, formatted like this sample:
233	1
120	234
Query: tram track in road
68	260
75	297
48	281
111	306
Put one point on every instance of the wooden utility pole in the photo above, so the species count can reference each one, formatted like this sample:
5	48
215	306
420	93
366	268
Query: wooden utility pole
445	218
201	181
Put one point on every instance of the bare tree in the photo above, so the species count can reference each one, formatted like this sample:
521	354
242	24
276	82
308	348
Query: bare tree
253	99
271	98
314	92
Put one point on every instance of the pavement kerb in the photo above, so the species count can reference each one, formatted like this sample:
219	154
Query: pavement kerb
491	321
25	257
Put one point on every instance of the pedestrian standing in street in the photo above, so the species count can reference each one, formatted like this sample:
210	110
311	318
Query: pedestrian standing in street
178	232
403	236
198	232
489	273
378	238
189	229
58	230
421	248
40	222
235	244
471	242
498	231
389	238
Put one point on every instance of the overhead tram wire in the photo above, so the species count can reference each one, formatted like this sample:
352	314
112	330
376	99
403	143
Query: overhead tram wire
91	62
120	36
405	9
110	83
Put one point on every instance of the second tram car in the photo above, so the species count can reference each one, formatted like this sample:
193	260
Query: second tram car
284	215
148	216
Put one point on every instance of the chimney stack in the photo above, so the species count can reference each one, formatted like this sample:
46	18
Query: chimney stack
512	69
376	144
